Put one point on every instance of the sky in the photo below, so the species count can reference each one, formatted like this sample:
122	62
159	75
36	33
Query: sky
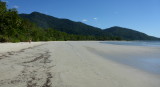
140	15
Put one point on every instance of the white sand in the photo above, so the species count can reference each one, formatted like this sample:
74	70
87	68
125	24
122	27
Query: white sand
8	47
74	64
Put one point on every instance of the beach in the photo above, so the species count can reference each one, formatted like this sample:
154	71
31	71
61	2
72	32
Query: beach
75	64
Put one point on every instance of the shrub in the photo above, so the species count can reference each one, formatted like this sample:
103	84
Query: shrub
4	39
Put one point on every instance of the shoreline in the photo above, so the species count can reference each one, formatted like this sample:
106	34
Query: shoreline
80	66
72	64
146	60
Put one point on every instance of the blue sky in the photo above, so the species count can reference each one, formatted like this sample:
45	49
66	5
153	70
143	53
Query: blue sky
140	15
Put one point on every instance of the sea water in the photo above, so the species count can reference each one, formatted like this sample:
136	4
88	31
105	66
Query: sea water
135	43
147	62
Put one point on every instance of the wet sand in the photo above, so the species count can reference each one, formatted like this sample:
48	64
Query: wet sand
74	64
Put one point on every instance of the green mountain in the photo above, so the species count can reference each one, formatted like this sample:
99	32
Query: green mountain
13	28
64	25
40	27
78	28
129	34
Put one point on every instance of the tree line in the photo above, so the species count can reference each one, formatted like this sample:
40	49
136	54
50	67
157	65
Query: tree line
16	29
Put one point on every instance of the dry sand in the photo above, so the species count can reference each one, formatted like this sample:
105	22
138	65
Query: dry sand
72	64
8	47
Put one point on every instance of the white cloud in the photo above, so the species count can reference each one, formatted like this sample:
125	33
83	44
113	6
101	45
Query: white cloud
84	20
15	6
95	18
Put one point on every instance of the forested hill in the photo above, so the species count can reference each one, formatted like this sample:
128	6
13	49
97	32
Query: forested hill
40	27
78	28
64	25
128	34
13	28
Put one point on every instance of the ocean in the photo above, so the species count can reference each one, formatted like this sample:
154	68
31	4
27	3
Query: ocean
135	43
149	62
